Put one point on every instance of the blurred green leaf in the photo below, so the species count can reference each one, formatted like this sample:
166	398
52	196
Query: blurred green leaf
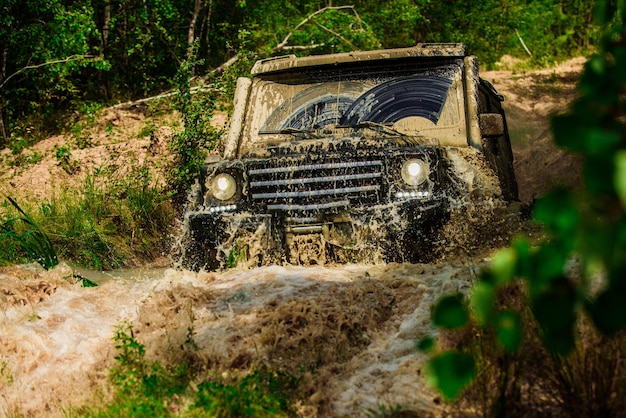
599	140
548	264
509	330
566	129
608	310
602	11
599	173
599	241
558	211
503	265
482	301
522	248
620	63
620	176
597	65
450	312
425	344
450	372
554	310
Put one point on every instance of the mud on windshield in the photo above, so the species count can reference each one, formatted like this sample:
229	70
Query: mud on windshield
408	101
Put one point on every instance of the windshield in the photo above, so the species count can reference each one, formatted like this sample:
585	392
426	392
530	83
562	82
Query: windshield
412	102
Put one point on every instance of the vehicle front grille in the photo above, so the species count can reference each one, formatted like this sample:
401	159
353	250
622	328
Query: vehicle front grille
286	185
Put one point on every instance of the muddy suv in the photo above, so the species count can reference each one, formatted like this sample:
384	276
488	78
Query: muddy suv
347	157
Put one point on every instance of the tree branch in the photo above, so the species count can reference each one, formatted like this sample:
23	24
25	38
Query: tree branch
301	47
332	32
227	64
32	67
523	44
192	90
282	44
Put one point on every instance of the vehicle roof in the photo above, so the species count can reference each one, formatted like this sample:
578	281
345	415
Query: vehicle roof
276	64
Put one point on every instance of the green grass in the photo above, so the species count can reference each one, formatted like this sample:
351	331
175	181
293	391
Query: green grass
146	388
23	236
110	220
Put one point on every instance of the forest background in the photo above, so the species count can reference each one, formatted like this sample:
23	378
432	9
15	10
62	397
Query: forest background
63	57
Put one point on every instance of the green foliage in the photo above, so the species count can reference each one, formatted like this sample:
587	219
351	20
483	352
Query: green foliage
549	30
111	218
143	388
88	114
64	157
143	44
190	145
46	46
450	372
236	254
59	54
28	238
580	267
24	159
258	394
450	312
147	130
226	82
409	20
146	388
309	28
509	330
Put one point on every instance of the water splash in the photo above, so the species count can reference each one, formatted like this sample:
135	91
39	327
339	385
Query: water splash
57	349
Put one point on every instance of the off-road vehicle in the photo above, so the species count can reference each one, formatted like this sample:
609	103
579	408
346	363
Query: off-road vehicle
334	157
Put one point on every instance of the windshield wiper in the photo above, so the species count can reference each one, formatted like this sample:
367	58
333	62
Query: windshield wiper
301	133
376	127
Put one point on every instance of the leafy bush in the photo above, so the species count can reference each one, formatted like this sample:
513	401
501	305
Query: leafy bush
581	265
258	394
190	145
144	388
64	157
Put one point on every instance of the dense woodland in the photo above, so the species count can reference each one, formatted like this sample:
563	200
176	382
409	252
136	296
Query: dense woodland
59	57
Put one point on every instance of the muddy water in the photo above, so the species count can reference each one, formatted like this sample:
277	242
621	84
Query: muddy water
56	337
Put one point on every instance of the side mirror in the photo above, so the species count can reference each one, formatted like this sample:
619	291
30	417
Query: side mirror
491	124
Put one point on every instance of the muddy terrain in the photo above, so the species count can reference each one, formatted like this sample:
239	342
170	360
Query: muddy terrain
353	327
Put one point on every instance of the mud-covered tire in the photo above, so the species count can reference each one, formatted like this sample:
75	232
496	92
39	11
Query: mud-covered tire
500	156
415	246
198	256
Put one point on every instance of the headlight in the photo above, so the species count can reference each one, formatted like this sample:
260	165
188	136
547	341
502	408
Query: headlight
414	172
223	186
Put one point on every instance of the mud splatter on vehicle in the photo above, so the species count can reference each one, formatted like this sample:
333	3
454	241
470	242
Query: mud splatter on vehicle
359	156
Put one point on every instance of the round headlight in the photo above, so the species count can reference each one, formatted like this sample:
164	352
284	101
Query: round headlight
414	172
223	186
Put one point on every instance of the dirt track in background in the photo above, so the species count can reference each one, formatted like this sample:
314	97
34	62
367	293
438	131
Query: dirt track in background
530	99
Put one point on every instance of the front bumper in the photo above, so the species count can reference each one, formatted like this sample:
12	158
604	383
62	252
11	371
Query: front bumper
270	237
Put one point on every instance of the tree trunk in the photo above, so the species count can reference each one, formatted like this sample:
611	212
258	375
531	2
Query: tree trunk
105	30
3	131
191	34
206	27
